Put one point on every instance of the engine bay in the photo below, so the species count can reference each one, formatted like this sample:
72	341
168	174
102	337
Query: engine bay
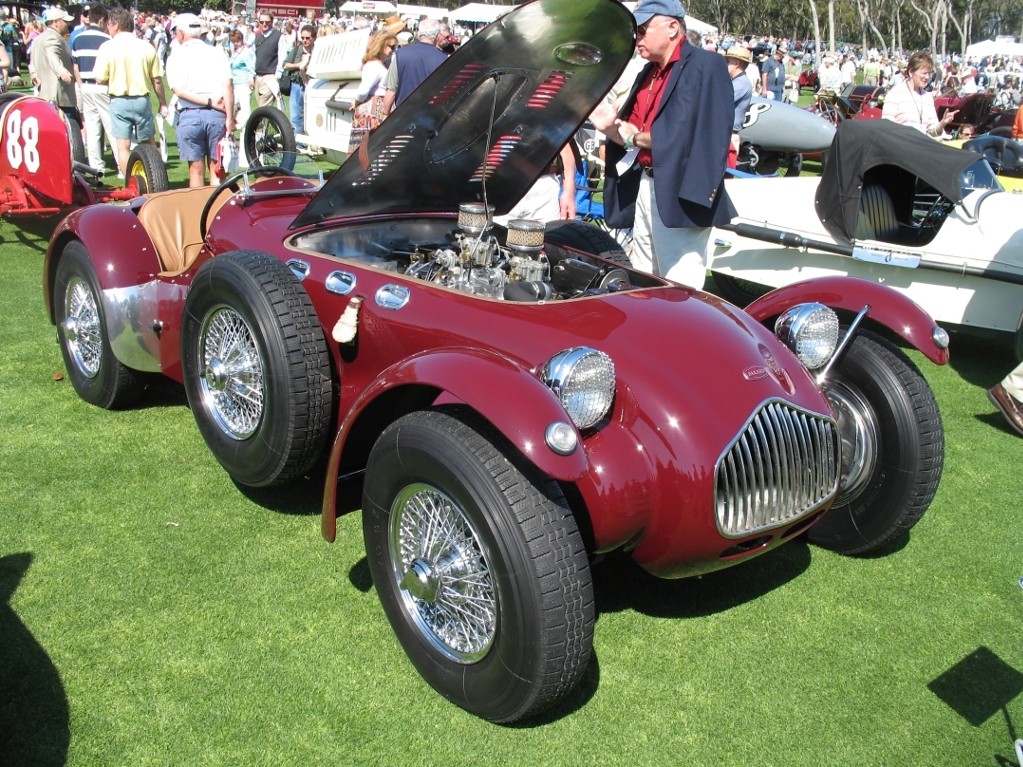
516	262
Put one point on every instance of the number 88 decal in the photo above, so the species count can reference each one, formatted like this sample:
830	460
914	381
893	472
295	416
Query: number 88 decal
22	141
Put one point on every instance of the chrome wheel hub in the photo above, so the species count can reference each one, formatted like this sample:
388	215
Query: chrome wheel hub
232	380
860	438
82	328
445	581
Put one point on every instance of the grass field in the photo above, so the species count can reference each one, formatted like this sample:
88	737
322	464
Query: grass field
154	613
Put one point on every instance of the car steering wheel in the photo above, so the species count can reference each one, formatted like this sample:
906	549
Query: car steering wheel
937	213
231	183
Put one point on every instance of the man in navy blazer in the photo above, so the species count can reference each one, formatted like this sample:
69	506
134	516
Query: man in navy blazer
668	148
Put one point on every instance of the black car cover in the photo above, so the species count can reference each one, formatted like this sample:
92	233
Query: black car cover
861	145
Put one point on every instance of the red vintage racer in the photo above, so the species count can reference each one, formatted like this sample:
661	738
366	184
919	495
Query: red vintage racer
503	404
42	163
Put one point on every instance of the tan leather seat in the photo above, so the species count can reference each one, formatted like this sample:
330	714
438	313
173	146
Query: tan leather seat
172	222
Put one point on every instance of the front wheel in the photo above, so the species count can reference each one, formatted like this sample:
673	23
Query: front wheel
269	138
97	375
479	565
256	368
893	448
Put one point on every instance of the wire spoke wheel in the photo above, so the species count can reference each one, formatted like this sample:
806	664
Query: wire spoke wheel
232	380
444	576
82	328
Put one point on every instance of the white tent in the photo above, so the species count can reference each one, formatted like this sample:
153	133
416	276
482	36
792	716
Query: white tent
999	47
479	12
368	6
418	11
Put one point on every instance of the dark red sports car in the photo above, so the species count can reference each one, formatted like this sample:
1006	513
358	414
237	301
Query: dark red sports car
502	403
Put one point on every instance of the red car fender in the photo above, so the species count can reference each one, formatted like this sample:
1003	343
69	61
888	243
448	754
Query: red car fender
481	380
887	306
29	129
133	261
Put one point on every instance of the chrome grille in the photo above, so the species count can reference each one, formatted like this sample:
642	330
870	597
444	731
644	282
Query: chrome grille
784	464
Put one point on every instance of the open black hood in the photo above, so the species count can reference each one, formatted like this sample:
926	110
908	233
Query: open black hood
860	145
491	118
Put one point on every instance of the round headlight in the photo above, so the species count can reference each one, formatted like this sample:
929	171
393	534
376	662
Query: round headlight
811	331
583	379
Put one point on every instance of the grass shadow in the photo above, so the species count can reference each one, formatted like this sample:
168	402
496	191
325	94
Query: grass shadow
620	584
34	713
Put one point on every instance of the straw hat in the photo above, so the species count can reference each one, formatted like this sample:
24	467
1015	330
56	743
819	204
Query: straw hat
738	52
394	24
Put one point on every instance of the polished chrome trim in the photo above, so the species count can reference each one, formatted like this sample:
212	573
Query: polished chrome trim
341	283
785	463
299	267
392	296
131	316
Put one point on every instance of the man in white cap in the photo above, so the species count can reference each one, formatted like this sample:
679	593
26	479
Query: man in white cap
200	76
130	69
52	67
668	147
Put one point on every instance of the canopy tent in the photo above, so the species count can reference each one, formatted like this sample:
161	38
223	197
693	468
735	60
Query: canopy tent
479	12
692	23
368	6
999	47
418	11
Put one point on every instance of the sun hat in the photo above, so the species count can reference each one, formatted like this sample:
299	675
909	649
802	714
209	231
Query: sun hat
187	22
647	9
56	14
738	52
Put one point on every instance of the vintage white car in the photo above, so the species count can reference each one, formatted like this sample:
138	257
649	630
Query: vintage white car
894	207
335	69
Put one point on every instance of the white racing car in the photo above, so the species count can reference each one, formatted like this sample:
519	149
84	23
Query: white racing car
894	207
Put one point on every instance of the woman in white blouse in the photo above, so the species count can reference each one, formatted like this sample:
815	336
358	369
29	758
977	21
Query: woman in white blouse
368	107
911	103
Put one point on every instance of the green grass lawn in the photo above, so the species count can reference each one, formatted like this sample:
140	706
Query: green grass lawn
154	613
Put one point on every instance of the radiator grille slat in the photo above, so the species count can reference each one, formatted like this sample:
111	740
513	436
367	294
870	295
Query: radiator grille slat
783	465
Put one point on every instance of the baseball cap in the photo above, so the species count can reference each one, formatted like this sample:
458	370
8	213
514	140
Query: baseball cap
187	22
56	14
647	9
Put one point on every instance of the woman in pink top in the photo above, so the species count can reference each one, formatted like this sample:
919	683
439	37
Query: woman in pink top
911	103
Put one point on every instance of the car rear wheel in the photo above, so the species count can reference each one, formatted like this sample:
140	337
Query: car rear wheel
256	368
479	566
146	170
893	448
270	138
96	374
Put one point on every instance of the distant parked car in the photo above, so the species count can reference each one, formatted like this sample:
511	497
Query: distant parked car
894	207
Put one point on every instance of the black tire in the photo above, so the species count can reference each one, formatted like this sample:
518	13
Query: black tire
270	138
256	368
96	374
893	448
74	134
145	166
587	238
876	220
737	290
793	165
456	522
